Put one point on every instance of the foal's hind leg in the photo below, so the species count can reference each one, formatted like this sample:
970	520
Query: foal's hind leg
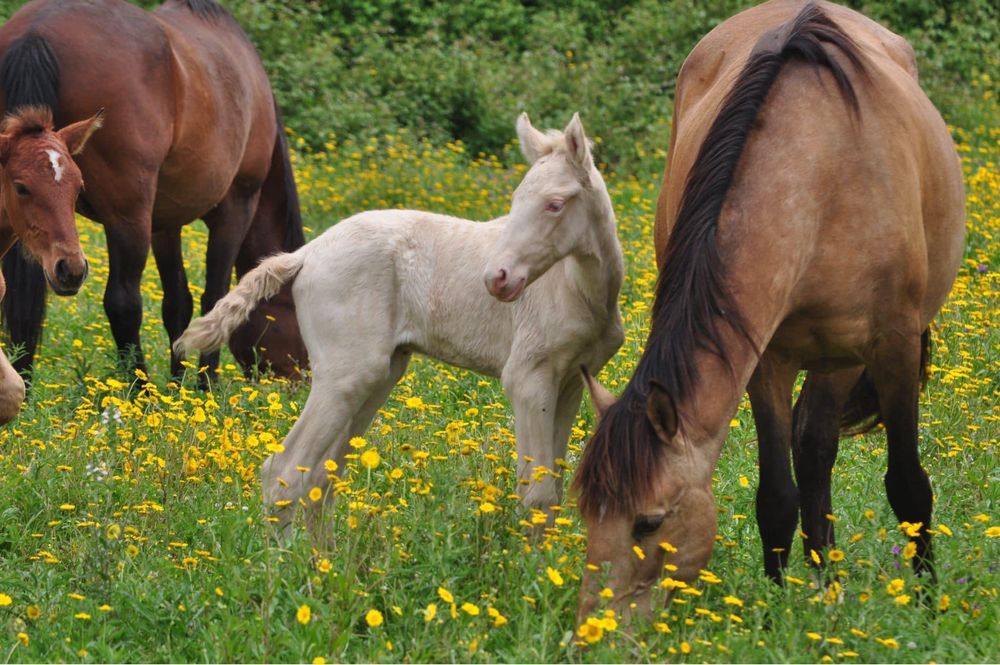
896	372
177	302
344	397
815	440
770	390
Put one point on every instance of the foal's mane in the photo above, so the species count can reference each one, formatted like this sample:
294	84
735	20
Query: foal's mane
27	120
693	301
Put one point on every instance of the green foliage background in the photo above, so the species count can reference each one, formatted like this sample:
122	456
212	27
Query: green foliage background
463	70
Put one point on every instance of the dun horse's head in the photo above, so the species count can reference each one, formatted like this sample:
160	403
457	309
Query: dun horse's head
39	185
645	493
552	212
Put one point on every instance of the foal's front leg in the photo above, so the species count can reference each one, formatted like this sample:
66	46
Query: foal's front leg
534	394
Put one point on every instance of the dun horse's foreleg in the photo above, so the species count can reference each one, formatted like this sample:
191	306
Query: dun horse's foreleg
128	247
896	373
177	302
227	225
815	441
770	390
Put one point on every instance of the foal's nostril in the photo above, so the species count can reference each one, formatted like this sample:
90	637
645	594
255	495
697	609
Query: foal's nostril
500	279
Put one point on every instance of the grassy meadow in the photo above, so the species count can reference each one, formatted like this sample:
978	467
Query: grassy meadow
131	526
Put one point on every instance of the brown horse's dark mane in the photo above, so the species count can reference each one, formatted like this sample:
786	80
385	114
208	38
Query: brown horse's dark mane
693	302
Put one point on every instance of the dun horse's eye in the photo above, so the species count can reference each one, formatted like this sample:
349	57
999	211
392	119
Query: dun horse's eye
646	524
20	189
555	206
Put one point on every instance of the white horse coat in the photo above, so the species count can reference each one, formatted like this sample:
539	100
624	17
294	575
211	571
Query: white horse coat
383	284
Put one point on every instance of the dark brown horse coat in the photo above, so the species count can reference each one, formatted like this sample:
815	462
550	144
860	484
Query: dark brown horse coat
191	131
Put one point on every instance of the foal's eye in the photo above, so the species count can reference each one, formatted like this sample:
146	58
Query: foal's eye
20	189
646	524
555	205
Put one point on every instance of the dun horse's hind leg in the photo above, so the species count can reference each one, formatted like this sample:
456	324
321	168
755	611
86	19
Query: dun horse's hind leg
815	441
177	302
227	223
770	390
896	373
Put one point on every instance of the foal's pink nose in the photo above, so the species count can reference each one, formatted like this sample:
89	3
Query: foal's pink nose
499	281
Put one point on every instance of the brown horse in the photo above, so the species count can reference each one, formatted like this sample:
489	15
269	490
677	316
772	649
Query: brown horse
811	217
39	184
192	130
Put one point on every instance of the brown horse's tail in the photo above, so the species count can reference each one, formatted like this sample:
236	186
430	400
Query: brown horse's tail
281	168
208	333
29	76
861	412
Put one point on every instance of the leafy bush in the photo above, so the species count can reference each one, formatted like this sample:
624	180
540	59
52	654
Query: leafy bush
465	70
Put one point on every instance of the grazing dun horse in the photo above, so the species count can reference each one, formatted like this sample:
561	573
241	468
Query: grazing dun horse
192	131
383	284
811	217
39	184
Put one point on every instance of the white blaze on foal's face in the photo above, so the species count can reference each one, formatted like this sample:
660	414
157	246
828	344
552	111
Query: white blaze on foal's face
550	212
56	160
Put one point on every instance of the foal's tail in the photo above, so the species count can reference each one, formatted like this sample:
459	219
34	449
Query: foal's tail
208	333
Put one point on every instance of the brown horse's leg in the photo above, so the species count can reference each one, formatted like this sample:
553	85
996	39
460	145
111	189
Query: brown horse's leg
815	441
227	224
897	382
128	247
770	390
177	302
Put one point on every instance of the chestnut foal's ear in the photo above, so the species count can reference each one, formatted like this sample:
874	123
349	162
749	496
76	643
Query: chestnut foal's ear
4	149
75	136
532	141
577	144
662	412
599	395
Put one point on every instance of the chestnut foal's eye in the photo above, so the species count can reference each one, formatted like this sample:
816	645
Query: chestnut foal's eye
646	524
20	189
555	206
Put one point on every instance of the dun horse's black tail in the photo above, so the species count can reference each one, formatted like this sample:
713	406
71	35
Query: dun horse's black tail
861	412
29	75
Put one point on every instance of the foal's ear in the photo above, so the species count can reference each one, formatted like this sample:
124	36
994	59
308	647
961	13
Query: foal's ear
600	397
4	149
577	144
532	141
662	412
75	136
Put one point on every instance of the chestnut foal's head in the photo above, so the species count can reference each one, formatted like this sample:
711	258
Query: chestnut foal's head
39	185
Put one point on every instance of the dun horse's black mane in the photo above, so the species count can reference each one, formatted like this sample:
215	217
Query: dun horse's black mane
693	302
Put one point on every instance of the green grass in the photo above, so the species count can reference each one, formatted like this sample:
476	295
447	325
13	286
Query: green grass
132	530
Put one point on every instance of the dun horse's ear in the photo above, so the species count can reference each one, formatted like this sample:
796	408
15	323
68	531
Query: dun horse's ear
75	136
532	141
661	411
576	142
599	395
